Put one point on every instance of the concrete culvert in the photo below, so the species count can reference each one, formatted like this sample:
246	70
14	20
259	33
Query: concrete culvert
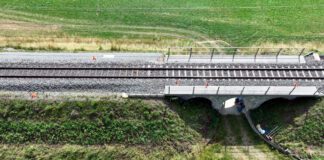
201	101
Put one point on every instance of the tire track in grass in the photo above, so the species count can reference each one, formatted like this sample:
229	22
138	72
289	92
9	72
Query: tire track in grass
44	18
172	35
148	33
193	36
39	18
254	153
232	141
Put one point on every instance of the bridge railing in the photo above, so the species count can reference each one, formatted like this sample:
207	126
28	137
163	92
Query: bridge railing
232	54
243	90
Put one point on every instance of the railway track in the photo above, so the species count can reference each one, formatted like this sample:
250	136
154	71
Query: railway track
168	72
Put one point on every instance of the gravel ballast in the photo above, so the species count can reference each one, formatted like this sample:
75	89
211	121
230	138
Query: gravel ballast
131	86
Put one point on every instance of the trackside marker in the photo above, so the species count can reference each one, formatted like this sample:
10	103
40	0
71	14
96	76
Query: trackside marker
206	84
177	82
296	84
33	95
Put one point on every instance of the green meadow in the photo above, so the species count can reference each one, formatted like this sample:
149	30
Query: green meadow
140	25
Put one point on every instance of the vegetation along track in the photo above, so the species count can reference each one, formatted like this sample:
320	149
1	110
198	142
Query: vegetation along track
271	143
168	71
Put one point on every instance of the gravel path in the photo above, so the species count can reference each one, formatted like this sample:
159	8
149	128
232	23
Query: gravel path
84	58
138	86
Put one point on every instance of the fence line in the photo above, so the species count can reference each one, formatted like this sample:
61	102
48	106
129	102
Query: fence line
233	52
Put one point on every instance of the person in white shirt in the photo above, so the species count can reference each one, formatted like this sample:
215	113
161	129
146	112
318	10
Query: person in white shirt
263	132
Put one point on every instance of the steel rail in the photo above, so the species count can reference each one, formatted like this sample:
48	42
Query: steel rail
161	68
160	77
164	72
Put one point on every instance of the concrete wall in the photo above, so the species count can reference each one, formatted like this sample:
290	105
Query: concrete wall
242	90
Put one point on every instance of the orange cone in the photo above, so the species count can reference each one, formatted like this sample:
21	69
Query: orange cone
34	95
296	84
206	84
177	82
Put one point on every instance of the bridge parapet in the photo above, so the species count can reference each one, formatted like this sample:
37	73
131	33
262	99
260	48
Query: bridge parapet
235	55
243	90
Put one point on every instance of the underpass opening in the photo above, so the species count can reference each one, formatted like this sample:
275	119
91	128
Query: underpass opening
204	102
293	121
284	109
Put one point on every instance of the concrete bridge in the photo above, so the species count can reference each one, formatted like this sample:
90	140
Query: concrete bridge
253	96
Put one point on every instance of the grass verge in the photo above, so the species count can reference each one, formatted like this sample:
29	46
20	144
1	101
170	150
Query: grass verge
123	129
90	123
301	123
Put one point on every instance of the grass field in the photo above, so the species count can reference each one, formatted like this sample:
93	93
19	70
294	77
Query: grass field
146	25
124	129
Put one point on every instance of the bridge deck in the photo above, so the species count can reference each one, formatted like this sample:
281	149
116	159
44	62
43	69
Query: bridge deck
243	90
